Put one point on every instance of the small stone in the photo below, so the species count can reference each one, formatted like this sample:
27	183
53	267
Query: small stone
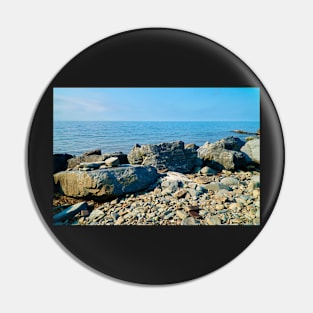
157	191
115	215
226	172
216	186
114	202
95	214
207	171
256	221
229	181
181	214
169	215
256	193
194	213
202	180
219	207
194	193
258	213
84	212
213	220
235	206
119	221
188	221
180	193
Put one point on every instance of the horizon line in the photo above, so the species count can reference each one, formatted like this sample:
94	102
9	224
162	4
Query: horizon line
153	121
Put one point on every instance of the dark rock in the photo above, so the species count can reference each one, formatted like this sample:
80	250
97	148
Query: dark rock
104	184
93	152
60	162
69	212
232	143
172	156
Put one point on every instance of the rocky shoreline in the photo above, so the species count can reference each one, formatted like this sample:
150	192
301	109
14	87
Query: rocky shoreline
164	184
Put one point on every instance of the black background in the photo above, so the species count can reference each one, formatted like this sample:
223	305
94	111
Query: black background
155	58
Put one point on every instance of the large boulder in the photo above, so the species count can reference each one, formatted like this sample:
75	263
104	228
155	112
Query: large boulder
60	162
173	156
218	157
105	184
252	150
89	158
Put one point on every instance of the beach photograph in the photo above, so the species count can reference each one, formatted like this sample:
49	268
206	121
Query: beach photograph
156	156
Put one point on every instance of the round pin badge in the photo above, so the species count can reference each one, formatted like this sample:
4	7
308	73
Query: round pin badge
155	156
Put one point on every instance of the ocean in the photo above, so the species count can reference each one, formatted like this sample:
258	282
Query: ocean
78	137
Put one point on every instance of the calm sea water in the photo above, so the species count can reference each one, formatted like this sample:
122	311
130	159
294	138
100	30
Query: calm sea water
78	137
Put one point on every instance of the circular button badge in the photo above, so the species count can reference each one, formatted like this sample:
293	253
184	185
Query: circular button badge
155	156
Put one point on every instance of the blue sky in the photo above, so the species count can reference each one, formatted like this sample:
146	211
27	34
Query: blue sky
156	104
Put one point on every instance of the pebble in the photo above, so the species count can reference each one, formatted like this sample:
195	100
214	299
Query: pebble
181	214
256	193
219	207
188	221
180	193
213	220
229	181
185	202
